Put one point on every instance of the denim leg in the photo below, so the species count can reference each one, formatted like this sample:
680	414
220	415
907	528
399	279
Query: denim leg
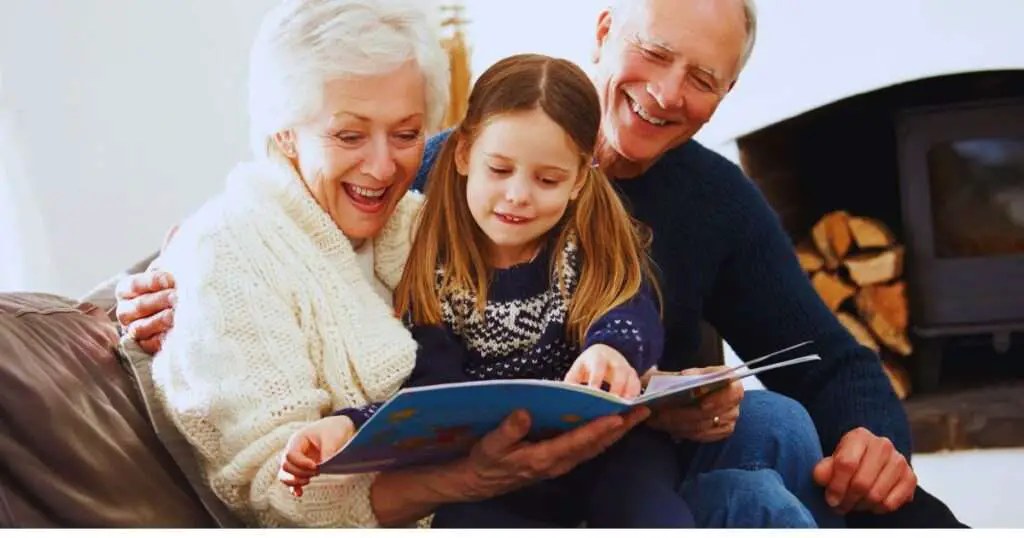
634	484
773	432
741	499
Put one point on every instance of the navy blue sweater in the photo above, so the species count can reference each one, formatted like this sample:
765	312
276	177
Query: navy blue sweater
522	333
724	257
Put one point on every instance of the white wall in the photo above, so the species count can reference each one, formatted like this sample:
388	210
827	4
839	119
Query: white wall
808	53
129	112
812	53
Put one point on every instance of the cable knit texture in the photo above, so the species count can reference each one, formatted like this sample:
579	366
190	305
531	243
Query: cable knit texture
275	326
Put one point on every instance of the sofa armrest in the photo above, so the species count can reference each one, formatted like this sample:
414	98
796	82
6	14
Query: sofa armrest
102	295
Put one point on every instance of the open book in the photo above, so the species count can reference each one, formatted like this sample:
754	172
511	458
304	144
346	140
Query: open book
432	424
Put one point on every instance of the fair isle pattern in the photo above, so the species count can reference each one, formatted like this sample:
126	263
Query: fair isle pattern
524	336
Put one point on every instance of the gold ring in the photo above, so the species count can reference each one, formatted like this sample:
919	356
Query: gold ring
716	421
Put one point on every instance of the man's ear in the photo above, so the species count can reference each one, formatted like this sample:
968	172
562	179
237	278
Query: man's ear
604	26
285	141
461	156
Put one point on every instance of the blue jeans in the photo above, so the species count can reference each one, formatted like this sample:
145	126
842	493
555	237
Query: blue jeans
761	475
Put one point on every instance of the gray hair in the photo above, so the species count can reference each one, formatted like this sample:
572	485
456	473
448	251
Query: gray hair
749	26
302	44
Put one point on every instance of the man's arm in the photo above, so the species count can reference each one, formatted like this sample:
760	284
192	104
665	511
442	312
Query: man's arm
762	301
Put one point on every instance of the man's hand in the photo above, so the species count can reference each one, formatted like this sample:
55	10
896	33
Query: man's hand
145	307
867	473
712	419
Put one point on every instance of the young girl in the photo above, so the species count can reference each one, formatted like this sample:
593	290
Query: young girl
526	265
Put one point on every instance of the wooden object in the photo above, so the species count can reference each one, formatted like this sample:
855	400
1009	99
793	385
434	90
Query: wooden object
875	268
810	260
855	264
870	233
831	236
832	289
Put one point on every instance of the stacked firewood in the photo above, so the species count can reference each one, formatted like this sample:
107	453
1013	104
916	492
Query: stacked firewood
856	266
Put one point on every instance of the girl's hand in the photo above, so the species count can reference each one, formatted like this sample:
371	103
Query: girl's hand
308	447
600	364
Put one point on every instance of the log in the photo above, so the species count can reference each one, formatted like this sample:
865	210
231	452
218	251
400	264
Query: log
899	378
875	268
832	289
884	309
809	258
861	333
831	236
870	233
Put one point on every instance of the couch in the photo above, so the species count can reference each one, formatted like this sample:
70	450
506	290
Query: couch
82	441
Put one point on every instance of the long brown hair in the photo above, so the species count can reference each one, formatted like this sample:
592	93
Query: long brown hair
611	245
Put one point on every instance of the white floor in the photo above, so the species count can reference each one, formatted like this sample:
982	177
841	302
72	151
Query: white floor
982	487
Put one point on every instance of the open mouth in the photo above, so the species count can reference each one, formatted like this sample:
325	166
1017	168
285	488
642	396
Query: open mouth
643	114
367	199
511	219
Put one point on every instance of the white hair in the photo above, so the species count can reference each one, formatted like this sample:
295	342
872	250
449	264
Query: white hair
303	44
749	25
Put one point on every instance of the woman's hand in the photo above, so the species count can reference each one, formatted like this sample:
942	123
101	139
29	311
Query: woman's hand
600	364
499	463
712	419
502	461
307	448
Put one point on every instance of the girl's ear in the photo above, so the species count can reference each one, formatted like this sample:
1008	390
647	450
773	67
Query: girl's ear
461	156
580	181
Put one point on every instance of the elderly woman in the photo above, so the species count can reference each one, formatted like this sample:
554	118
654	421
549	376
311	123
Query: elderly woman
284	279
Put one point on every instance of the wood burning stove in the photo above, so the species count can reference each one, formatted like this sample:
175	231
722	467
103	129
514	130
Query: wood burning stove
961	169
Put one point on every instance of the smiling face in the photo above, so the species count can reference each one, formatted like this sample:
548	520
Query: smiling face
522	171
361	152
663	67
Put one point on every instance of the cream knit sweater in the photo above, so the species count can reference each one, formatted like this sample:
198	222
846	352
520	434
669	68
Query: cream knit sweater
275	326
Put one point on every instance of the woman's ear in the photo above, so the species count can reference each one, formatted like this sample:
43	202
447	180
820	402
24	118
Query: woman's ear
285	141
604	26
461	156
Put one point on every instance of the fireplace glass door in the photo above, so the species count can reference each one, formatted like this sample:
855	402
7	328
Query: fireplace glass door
977	189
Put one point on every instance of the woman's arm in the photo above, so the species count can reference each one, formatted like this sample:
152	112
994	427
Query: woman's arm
236	377
499	463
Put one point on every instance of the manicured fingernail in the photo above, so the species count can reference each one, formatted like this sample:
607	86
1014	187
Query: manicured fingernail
832	500
172	298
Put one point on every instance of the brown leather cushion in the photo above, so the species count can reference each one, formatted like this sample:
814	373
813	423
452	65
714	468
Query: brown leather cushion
76	448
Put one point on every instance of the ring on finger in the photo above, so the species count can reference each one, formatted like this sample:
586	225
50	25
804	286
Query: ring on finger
715	422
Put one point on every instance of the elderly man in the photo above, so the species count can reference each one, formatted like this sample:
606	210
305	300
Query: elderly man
662	67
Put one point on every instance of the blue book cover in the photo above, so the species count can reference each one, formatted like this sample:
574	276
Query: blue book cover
424	425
